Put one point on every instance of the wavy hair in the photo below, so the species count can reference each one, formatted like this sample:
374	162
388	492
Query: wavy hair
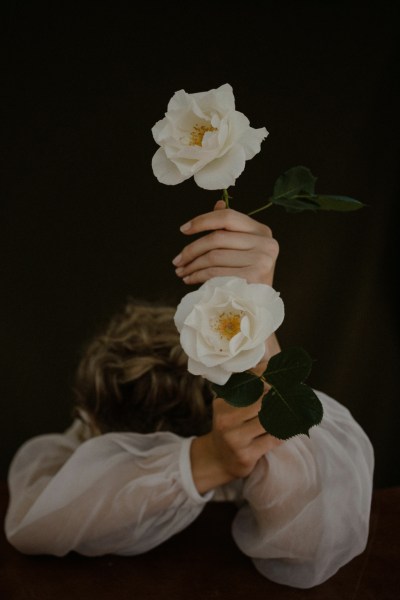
134	377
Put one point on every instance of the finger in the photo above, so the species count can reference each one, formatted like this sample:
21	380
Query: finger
229	219
252	265
221	261
219	257
252	428
250	274
219	239
233	415
219	205
227	240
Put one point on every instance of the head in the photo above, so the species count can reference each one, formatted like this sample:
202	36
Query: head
134	377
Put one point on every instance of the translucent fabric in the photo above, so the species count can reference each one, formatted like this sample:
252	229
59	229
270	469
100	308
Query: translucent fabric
302	513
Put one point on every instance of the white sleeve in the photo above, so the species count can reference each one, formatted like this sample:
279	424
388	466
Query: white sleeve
118	493
307	503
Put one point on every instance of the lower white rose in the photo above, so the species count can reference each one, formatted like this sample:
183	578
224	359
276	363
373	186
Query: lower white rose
223	326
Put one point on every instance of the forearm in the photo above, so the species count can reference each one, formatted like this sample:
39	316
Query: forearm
111	496
272	345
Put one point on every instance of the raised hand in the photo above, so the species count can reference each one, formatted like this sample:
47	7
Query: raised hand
234	244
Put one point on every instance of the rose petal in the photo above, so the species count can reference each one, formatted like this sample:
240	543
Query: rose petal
204	337
165	170
222	172
213	374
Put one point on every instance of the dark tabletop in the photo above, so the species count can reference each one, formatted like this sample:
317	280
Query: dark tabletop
202	562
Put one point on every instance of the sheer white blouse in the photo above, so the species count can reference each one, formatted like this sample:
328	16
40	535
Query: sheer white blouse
302	513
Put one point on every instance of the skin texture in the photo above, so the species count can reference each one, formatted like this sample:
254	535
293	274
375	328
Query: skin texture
233	244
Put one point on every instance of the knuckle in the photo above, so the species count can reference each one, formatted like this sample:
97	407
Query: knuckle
222	422
222	415
229	217
274	247
270	246
267	231
217	237
244	459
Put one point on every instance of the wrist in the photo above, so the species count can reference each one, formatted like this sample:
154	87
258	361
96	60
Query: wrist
272	347
208	471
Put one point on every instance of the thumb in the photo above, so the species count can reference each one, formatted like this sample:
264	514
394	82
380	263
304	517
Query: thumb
220	204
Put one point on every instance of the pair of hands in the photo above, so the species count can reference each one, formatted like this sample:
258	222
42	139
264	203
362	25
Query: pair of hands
235	245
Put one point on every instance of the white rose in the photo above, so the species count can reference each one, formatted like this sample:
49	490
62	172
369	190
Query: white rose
223	326
204	137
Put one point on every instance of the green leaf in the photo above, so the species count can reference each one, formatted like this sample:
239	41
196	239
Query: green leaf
290	407
296	204
241	389
295	191
289	367
290	412
340	203
294	182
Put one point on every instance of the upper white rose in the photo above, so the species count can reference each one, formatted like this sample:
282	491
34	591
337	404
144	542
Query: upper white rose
202	135
223	326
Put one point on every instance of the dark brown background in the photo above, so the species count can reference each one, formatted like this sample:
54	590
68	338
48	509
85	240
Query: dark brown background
84	223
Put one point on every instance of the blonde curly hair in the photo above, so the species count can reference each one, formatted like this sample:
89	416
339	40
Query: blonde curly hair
134	377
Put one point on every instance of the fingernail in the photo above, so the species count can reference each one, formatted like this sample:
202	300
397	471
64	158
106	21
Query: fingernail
177	260
179	271
185	226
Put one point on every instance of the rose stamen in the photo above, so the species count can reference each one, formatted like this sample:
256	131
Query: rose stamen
228	324
197	134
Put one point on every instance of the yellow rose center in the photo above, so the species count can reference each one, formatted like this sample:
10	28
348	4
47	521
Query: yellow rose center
228	324
197	134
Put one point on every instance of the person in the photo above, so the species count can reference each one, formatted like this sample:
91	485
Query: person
150	445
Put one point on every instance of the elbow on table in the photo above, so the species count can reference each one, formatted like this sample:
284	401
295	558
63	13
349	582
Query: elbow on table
330	555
